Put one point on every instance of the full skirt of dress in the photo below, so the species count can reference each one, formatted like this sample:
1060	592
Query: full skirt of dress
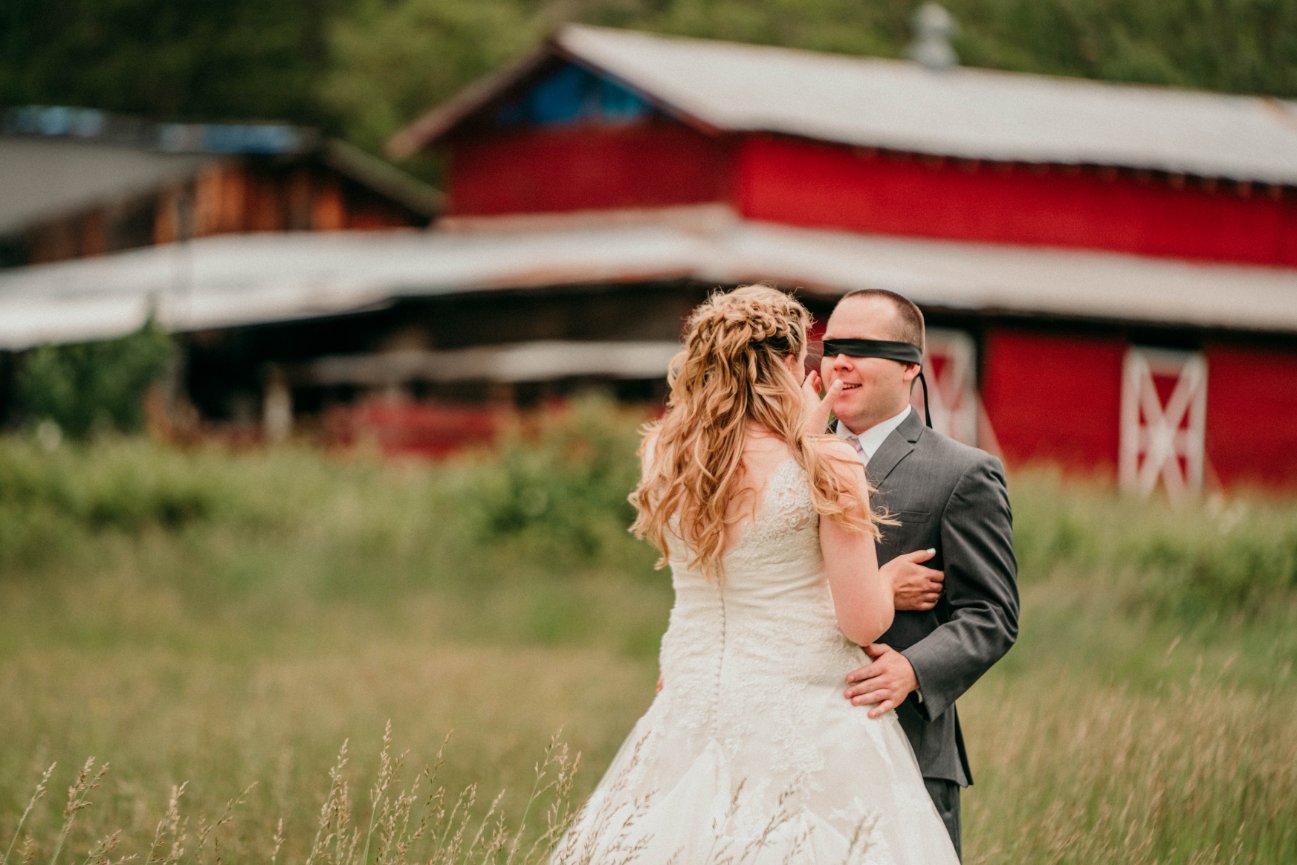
751	753
848	790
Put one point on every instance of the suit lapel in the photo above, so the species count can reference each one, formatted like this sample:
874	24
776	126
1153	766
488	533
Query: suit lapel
894	448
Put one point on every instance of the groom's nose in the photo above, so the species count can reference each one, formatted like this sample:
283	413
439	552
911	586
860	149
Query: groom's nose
841	361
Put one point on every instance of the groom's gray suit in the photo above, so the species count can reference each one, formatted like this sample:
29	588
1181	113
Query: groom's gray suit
950	497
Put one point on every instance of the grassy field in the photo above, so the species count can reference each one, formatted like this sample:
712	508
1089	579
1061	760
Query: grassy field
227	621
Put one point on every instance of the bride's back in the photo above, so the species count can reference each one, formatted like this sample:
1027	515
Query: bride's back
771	528
769	618
763	456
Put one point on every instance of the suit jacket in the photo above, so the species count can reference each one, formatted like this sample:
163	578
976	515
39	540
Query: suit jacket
951	497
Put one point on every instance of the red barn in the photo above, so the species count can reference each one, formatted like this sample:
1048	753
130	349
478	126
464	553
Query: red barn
1110	270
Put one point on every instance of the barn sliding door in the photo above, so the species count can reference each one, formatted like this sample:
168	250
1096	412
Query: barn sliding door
1163	421
950	367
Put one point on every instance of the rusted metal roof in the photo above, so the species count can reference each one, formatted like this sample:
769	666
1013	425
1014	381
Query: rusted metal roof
48	176
42	178
899	105
543	360
238	280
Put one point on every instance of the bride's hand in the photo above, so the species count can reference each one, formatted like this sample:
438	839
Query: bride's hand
914	587
818	408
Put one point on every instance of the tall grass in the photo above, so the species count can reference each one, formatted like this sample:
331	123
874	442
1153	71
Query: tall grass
213	626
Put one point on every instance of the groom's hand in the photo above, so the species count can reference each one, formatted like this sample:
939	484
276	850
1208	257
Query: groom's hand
883	683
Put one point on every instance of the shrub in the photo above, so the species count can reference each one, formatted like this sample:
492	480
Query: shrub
49	502
112	485
92	387
561	482
1244	570
1223	556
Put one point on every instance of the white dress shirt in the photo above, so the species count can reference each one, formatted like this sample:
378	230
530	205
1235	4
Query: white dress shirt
867	444
872	439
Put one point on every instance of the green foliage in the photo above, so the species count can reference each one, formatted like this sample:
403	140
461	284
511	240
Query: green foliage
1246	570
562	484
1198	563
93	387
239	59
1236	46
550	500
48	501
876	28
392	61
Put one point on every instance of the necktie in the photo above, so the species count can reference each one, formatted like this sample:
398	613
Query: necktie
860	449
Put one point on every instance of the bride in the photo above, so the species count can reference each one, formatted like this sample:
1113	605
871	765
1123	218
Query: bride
750	753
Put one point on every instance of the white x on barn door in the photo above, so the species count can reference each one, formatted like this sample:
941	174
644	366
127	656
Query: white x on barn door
1163	421
950	367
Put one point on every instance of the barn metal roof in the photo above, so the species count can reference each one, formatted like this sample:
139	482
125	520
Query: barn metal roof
542	360
49	175
899	105
238	280
45	177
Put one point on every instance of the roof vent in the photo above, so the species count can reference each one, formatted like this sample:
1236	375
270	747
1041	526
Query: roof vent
933	27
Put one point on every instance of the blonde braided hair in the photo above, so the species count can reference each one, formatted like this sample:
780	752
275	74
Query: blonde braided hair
732	370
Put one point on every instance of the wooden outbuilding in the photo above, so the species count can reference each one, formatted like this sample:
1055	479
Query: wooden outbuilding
80	182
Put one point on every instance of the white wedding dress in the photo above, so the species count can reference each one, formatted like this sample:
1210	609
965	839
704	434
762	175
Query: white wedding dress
750	753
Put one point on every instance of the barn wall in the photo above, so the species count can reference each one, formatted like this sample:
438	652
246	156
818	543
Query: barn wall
56	240
814	184
370	214
589	166
1251	414
1054	396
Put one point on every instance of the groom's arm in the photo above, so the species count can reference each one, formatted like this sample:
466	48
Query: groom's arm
980	588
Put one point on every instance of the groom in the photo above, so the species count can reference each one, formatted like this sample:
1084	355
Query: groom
958	617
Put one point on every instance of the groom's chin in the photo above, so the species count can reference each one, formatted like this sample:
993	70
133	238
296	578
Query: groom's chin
843	409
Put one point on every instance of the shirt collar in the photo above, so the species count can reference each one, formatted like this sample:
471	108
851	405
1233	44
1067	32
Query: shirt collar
872	439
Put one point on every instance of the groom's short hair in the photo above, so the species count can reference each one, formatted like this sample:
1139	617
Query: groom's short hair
909	317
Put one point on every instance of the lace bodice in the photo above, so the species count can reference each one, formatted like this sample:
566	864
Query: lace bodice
742	650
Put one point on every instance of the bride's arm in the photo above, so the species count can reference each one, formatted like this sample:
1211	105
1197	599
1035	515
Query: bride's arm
862	597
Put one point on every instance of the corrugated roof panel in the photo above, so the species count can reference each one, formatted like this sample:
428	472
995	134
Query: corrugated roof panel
959	112
248	279
45	177
234	280
1021	280
543	360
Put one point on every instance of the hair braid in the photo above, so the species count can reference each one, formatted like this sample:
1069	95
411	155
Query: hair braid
732	369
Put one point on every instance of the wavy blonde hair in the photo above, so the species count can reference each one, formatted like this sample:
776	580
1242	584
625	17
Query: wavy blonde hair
732	369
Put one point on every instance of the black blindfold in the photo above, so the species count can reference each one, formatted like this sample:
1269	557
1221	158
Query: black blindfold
901	352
